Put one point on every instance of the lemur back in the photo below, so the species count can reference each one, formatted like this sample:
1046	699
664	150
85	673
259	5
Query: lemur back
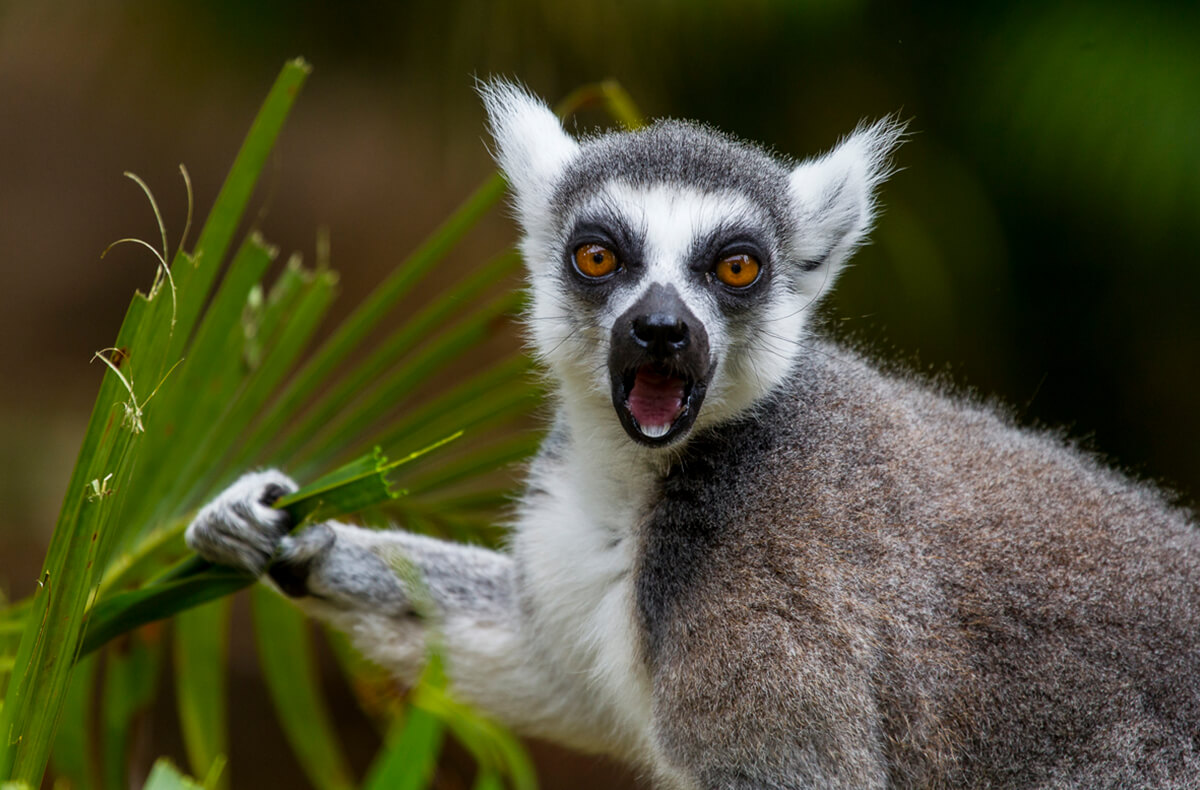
745	557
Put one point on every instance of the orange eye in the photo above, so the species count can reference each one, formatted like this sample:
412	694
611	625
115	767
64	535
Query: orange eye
737	271
594	260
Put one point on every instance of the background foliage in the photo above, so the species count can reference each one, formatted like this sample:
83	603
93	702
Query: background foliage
1040	243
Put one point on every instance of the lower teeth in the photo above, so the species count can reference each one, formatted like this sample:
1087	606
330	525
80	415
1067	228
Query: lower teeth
655	431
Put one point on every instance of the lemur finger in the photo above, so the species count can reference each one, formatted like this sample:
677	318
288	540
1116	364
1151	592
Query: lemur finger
253	494
293	561
236	545
312	542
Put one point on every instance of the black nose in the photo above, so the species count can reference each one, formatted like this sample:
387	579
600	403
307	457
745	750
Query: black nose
662	334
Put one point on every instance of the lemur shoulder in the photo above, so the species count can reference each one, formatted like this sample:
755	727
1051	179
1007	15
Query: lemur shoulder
745	556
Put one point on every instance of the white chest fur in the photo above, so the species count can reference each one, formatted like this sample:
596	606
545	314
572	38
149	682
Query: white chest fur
576	549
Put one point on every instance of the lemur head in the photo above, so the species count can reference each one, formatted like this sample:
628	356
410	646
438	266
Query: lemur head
673	268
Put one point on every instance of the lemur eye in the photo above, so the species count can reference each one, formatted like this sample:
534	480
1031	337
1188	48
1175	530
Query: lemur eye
595	260
737	271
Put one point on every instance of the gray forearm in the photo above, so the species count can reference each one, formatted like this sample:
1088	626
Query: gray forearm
393	591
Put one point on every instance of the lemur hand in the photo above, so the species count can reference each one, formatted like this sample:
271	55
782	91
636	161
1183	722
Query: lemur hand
239	528
331	562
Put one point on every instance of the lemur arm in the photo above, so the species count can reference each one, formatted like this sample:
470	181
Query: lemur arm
353	579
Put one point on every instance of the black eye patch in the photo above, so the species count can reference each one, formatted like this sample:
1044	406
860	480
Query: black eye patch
739	239
613	232
706	251
610	230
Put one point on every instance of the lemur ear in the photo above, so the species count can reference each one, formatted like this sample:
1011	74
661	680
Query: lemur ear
531	147
833	195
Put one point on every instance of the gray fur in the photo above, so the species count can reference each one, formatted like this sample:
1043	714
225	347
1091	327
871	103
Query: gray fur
868	583
678	152
856	580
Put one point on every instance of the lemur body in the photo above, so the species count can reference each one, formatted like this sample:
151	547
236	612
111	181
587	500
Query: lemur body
744	556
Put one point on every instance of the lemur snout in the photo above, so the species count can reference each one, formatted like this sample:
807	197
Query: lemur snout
662	334
659	367
661	326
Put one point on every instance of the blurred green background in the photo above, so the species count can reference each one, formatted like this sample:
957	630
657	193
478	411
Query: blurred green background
1039	245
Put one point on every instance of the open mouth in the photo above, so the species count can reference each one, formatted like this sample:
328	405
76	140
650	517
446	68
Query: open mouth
657	403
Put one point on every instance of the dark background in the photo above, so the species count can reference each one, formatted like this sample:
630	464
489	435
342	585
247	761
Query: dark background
1040	244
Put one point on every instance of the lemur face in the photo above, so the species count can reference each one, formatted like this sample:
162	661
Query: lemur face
673	268
679	284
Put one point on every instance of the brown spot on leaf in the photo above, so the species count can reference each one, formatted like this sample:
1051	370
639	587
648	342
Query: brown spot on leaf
117	356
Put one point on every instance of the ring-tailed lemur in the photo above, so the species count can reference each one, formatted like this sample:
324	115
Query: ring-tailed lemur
744	556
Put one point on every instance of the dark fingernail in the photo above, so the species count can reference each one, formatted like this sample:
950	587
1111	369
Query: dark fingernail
272	493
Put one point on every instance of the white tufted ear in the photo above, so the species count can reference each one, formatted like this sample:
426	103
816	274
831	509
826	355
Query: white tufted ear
833	195
531	147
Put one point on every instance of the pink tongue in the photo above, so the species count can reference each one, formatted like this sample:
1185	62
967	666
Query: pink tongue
655	400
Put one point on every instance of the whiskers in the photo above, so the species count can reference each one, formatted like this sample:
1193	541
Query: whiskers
822	288
545	355
582	343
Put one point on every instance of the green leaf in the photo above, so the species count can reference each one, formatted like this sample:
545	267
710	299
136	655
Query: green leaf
411	755
360	481
124	611
73	758
608	94
488	779
494	456
492	746
383	397
416	328
159	548
294	323
130	680
409	758
201	649
502	391
231	201
358	485
317	372
165	776
414	741
12	624
373	687
214	366
286	655
36	692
